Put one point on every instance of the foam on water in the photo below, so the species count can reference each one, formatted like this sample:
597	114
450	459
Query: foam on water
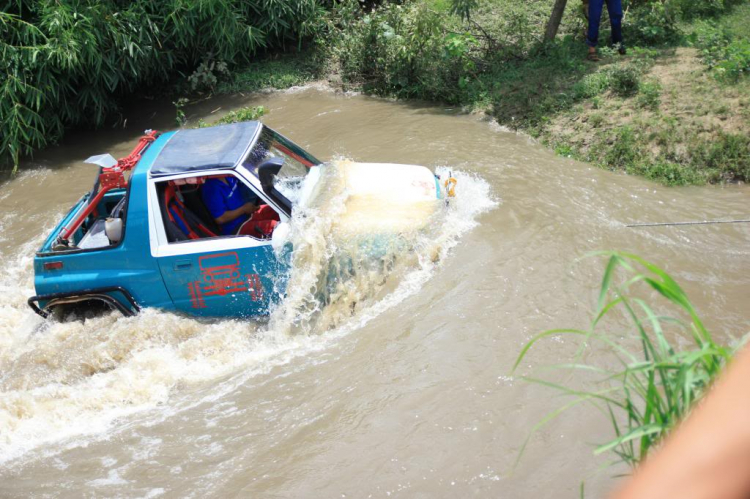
81	379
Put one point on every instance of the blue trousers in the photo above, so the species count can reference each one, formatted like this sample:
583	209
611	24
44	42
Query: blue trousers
614	7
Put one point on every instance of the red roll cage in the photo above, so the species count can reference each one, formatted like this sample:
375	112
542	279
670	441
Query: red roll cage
110	178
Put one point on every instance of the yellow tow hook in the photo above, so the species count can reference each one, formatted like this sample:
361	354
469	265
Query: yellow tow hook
450	187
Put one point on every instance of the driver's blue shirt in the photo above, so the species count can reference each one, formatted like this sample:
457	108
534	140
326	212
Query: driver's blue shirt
220	198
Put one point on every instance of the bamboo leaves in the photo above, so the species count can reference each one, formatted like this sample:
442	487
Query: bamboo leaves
66	62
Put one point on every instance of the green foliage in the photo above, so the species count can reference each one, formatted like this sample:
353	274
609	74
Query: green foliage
624	79
207	74
463	8
728	56
403	50
735	61
724	44
416	51
273	74
66	62
691	9
728	154
646	394
180	117
243	114
668	172
625	149
652	22
592	85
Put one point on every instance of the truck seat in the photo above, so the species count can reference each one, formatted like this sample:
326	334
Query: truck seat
180	221
191	197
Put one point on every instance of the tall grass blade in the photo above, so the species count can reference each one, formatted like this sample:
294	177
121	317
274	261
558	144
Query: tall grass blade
647	393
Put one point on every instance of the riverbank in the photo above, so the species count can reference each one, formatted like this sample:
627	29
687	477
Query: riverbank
676	111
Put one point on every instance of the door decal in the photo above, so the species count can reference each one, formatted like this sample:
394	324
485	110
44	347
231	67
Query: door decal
221	276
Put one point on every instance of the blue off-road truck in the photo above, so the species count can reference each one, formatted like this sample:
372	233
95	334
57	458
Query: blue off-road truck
143	236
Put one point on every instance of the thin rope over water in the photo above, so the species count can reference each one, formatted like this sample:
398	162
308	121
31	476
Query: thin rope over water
703	222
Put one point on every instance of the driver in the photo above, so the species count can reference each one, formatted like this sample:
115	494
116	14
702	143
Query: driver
236	209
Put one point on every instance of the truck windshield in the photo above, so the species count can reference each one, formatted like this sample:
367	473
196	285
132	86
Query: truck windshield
270	144
297	162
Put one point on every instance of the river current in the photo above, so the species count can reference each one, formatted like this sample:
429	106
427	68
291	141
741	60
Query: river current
401	386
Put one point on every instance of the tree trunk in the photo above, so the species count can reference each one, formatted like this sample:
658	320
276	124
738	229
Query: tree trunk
554	20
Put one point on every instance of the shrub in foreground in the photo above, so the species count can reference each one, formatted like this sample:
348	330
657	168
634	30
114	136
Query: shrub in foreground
645	393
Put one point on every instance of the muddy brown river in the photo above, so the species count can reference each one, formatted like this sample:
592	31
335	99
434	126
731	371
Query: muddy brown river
411	396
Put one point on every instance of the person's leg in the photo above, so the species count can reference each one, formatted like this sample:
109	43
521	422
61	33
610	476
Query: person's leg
614	7
595	17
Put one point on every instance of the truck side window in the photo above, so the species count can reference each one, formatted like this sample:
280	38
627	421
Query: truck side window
189	209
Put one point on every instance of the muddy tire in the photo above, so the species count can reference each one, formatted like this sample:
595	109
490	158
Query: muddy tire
79	311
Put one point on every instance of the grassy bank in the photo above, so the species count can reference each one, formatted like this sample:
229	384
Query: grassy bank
278	73
675	109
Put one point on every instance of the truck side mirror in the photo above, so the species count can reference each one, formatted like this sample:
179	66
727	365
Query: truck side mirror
267	171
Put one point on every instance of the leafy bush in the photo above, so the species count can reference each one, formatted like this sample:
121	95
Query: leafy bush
651	22
725	45
592	85
237	116
690	9
735	61
207	74
655	22
403	50
728	154
624	79
644	395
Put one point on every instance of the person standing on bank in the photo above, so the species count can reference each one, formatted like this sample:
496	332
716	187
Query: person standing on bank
614	7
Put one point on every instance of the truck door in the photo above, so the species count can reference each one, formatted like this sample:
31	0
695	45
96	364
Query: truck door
231	276
232	282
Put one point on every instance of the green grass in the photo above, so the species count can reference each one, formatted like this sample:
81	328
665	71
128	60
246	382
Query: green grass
242	114
645	393
278	74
